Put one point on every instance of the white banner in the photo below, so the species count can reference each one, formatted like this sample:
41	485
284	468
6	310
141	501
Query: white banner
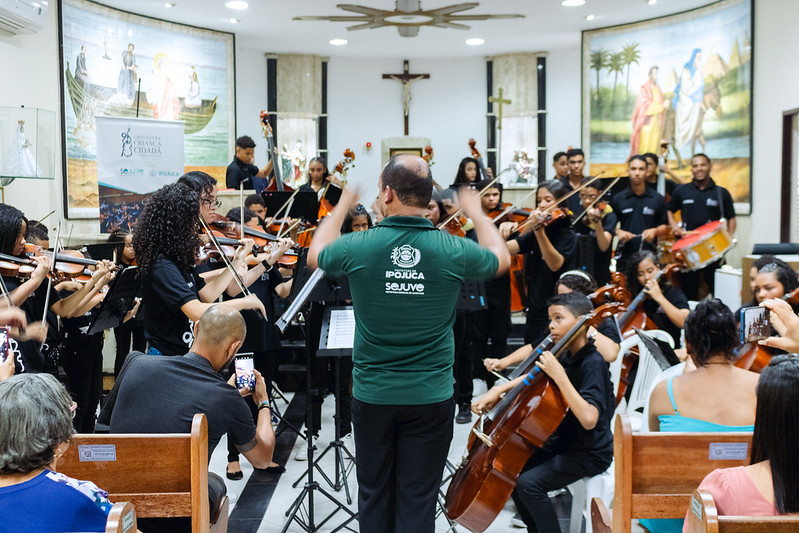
138	155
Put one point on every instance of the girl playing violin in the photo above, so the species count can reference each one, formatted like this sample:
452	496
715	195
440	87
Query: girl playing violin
166	241
551	247
36	349
582	446
598	225
666	306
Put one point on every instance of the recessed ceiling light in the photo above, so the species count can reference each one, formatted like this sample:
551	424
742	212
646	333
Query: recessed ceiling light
168	5
234	21
572	3
652	2
236	4
338	42
475	41
590	17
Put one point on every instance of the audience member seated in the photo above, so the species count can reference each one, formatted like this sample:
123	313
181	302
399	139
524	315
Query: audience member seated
715	397
770	485
156	394
35	428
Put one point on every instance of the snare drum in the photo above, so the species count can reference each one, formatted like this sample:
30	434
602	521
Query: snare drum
704	245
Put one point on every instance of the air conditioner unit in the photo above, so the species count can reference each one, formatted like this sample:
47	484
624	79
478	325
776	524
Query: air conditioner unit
22	16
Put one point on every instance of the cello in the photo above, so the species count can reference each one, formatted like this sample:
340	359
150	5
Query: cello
277	183
502	441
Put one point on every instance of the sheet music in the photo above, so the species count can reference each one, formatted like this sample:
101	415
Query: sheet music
341	333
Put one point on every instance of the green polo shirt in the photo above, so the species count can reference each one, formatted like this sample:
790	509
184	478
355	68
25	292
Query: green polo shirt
405	277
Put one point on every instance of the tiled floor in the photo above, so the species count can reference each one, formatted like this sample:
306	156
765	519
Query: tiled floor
259	501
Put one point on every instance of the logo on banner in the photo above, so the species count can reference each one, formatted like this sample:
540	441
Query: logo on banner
127	144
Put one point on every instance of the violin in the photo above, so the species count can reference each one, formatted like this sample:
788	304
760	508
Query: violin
69	264
507	212
502	441
277	183
476	155
551	217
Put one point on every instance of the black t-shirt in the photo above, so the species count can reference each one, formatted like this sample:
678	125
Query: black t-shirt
164	292
658	315
262	334
589	374
541	280
609	329
624	183
573	202
241	172
698	206
600	262
162	394
74	332
29	355
638	213
497	289
333	199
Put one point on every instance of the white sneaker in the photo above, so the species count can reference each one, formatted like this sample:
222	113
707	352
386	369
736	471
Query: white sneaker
479	388
302	453
349	443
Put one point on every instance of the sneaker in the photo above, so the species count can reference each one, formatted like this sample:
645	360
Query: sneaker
302	453
516	521
464	414
349	442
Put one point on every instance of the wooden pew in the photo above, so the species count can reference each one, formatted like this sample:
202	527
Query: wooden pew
161	475
656	472
121	519
704	518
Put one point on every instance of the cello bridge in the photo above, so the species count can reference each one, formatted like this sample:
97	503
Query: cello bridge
478	431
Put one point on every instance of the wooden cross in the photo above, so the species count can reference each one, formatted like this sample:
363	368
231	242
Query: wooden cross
406	78
500	101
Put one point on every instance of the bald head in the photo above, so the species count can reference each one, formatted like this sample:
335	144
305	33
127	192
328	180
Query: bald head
409	177
220	326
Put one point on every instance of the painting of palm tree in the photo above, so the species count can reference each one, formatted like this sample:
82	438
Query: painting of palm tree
630	54
599	59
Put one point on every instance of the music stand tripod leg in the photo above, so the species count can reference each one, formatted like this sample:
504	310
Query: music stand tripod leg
293	513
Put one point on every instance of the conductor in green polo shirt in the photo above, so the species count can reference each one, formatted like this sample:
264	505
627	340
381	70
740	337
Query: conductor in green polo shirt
405	277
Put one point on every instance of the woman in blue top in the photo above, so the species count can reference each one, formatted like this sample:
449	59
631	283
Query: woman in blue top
716	397
35	428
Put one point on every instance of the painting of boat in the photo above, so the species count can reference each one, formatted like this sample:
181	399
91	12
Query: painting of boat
195	117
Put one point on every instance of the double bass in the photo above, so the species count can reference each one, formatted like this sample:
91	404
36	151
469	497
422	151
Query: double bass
277	183
476	155
502	441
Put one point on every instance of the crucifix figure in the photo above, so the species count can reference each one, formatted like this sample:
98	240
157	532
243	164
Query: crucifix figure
500	102
406	78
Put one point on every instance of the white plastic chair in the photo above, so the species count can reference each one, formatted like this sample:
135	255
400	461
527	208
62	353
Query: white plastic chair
583	491
648	372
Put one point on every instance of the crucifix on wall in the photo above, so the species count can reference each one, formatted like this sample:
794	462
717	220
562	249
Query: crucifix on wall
406	78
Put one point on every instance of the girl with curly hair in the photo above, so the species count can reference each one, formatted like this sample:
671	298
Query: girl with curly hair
167	243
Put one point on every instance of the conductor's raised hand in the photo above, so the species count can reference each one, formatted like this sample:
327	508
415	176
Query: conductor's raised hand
470	202
350	197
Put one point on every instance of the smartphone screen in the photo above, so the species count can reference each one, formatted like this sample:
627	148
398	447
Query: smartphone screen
245	377
755	324
5	347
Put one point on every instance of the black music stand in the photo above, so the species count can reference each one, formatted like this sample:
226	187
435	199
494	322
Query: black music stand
305	205
335	340
120	299
311	287
472	296
660	350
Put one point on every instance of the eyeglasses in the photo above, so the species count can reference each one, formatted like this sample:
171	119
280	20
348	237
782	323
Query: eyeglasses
213	202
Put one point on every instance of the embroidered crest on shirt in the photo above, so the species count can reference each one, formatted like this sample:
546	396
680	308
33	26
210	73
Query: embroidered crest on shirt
405	256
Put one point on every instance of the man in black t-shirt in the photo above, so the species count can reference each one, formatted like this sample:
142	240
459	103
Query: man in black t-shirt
699	202
576	162
242	169
162	395
641	212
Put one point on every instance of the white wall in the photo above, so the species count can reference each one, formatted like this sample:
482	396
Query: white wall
563	102
251	98
449	108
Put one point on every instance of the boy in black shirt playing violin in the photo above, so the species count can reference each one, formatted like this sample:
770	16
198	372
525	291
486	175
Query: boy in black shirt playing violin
582	446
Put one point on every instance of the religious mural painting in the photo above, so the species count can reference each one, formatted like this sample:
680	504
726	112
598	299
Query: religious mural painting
119	64
674	86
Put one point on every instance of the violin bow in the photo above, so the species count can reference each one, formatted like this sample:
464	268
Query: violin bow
50	279
561	200
282	207
241	208
244	290
522	199
596	200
